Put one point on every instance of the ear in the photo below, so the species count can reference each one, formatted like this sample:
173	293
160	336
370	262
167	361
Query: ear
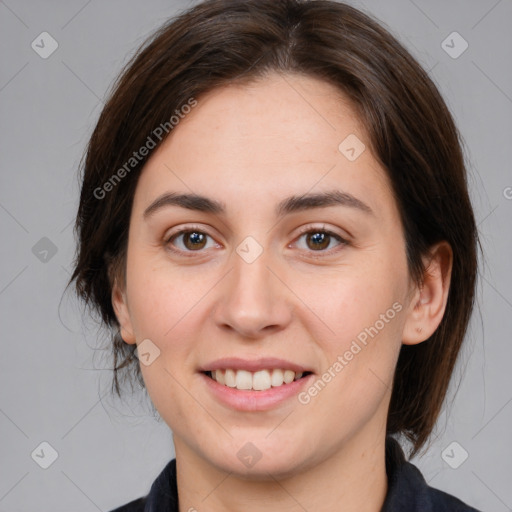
428	304
120	306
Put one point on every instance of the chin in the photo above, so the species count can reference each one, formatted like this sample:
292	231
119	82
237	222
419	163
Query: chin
260	460
263	470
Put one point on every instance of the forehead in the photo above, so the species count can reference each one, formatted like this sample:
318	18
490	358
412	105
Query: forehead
282	132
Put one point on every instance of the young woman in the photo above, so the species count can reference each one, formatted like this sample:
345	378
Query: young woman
275	225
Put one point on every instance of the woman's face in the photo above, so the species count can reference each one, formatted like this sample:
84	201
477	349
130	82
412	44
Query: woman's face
293	259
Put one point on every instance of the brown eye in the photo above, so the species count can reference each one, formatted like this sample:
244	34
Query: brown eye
189	241
319	240
194	240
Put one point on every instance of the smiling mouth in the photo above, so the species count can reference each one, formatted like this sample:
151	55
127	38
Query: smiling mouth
255	381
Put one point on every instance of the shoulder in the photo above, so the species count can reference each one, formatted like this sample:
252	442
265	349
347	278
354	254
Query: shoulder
134	506
444	502
408	490
421	497
163	495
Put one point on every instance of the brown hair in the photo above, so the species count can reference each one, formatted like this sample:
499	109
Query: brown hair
411	131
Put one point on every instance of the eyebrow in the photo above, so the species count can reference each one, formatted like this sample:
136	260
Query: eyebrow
289	205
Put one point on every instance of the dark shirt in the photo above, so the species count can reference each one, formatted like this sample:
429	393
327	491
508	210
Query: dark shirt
407	489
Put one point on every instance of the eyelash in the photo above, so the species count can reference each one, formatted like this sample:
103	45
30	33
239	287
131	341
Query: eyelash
304	231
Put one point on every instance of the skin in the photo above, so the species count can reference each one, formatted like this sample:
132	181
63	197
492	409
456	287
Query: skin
250	147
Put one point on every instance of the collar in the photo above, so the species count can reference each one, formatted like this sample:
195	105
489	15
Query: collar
409	492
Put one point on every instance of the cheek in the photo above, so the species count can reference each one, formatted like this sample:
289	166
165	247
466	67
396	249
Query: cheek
358	341
160	295
162	307
357	326
166	304
345	303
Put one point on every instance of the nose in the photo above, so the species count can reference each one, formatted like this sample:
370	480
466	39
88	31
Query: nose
253	300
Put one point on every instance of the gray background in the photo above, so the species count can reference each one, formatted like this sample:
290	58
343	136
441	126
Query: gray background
54	382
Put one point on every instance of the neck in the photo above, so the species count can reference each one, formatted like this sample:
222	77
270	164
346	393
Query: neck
353	479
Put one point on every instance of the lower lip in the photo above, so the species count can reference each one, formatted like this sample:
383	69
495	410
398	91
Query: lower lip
255	400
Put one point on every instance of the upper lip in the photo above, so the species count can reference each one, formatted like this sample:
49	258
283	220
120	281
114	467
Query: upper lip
253	365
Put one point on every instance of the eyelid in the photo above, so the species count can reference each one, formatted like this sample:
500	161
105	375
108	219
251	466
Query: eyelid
187	228
310	228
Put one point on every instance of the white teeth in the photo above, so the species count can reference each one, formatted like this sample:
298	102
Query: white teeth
261	380
277	378
289	375
219	376
258	381
243	379
230	378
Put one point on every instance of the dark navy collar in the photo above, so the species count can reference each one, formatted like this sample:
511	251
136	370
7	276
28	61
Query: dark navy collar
409	492
407	489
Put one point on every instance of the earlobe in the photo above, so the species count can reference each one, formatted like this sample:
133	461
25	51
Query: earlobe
120	306
426	309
